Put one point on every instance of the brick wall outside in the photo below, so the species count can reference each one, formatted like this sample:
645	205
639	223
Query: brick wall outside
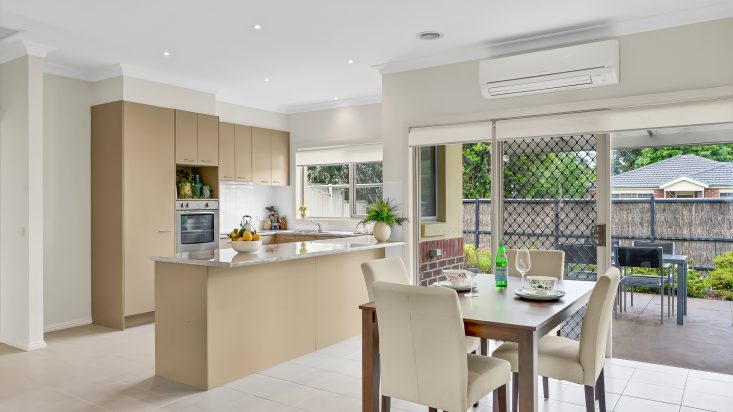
712	193
430	268
658	193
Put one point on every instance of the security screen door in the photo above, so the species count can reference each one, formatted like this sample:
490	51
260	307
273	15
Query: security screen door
550	202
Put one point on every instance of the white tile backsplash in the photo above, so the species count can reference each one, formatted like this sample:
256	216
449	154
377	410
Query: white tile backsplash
238	199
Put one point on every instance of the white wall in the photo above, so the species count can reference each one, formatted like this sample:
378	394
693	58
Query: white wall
232	113
21	198
163	95
67	202
681	58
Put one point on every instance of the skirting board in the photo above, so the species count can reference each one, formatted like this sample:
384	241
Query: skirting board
68	324
26	346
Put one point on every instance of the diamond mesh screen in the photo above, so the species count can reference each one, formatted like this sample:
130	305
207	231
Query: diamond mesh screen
549	203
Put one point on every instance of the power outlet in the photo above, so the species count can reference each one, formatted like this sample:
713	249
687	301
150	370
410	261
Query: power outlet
435	253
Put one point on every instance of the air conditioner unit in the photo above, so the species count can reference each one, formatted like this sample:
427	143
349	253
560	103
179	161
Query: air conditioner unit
565	68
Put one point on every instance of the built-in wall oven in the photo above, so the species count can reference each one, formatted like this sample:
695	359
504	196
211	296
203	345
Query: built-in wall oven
197	225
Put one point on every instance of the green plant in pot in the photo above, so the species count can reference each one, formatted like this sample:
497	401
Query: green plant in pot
303	210
384	215
184	181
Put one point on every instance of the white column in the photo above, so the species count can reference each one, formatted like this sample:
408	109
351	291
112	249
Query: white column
21	195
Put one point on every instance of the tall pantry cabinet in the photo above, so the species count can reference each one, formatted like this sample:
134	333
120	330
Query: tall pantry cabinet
133	189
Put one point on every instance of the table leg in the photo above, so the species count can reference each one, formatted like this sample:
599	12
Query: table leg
684	297
528	371
681	291
369	362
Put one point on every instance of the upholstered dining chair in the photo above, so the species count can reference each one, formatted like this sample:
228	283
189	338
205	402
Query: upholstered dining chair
544	263
581	361
393	270
421	351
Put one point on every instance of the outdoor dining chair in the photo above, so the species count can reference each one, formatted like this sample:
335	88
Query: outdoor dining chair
668	249
629	259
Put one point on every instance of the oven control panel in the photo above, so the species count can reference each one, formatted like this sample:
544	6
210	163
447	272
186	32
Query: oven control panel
197	204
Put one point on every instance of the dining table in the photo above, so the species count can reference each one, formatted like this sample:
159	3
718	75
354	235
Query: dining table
493	313
680	263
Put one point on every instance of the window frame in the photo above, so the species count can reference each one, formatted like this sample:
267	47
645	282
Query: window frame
436	186
351	186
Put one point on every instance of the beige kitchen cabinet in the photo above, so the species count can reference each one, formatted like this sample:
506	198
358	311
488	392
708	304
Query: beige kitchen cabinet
186	137
226	151
207	140
261	156
280	157
133	189
243	153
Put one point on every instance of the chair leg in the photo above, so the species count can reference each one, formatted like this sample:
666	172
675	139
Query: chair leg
632	296
546	387
590	400
432	410
661	296
601	391
386	403
515	390
484	347
501	403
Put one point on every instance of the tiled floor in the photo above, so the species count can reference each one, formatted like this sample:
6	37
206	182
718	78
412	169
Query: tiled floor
95	369
703	342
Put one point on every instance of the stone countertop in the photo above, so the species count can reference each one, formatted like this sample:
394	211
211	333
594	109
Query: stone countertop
297	232
229	258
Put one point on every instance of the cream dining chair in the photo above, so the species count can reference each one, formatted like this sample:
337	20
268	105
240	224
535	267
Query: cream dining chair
421	351
393	270
544	263
569	360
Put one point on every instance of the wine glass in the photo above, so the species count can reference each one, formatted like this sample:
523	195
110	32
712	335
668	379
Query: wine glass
523	263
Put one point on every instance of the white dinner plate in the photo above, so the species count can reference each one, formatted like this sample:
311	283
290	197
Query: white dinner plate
458	287
532	294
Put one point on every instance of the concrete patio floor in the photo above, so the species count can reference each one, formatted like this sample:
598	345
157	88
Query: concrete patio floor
704	342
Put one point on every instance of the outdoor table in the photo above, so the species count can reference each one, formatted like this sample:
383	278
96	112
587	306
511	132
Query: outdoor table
496	313
680	262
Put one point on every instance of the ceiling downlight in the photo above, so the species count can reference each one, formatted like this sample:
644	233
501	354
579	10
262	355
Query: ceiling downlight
429	35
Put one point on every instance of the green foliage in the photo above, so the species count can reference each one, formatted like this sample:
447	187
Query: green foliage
384	211
629	159
480	258
721	278
184	175
476	170
549	175
328	174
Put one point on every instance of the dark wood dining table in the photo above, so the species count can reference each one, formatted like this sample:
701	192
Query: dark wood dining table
496	313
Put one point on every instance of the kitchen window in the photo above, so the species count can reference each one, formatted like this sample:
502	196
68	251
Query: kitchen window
340	190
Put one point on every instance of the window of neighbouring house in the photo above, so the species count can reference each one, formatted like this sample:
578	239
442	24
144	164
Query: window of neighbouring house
429	183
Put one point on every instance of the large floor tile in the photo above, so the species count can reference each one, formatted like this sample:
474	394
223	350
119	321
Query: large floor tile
653	392
658	378
708	401
631	404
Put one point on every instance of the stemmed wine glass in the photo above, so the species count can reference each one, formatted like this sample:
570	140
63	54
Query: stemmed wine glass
471	257
523	263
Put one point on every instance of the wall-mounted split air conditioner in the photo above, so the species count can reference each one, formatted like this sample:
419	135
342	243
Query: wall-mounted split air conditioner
565	68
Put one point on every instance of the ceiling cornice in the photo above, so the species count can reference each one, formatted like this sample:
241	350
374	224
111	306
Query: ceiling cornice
562	38
19	48
334	104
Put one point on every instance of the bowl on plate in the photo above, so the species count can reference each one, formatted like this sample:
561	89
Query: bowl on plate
242	246
455	276
542	284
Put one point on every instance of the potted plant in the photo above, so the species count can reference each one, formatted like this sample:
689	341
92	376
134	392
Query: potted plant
303	210
384	215
184	181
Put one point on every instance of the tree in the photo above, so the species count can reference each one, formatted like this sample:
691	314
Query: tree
476	170
625	160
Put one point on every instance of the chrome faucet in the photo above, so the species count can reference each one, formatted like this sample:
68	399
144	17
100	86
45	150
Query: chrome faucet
318	225
362	224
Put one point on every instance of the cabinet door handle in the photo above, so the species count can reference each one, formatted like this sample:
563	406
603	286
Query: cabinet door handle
205	161
275	181
227	177
264	181
164	231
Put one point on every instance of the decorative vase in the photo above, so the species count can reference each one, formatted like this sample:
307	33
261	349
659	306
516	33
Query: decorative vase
197	186
184	191
381	231
302	215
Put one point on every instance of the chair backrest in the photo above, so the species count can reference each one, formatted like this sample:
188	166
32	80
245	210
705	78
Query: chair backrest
594	332
421	345
639	257
544	263
667	247
390	269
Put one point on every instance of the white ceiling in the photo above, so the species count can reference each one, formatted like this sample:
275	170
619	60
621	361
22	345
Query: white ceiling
304	46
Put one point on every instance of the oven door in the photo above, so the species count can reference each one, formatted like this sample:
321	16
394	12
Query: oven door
197	230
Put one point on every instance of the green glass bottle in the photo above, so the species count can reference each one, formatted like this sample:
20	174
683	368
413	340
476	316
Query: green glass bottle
501	267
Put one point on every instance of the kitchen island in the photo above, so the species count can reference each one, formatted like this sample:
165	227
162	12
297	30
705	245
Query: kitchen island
222	315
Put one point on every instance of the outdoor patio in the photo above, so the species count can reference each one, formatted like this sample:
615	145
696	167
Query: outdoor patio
705	342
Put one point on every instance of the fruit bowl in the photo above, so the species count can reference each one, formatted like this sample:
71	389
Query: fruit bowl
243	246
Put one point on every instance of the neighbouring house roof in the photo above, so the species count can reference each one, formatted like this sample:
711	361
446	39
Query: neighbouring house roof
681	167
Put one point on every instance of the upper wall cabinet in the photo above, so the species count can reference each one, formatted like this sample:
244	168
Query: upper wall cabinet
261	156
243	153
208	140
197	139
280	157
226	151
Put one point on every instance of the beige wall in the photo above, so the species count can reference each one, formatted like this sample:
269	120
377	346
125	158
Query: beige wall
232	113
681	58
66	208
450	196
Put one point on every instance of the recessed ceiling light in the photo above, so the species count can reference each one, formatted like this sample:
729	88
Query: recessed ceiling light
166	53
267	79
429	35
257	27
335	98
351	62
